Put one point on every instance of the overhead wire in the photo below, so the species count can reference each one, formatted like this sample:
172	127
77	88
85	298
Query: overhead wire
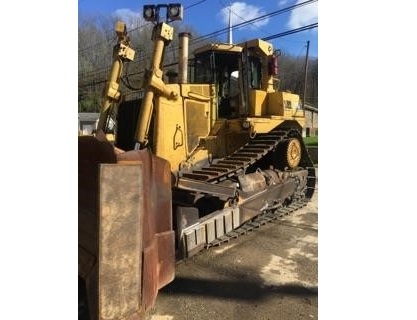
243	24
99	70
286	33
243	19
109	40
240	25
195	4
274	36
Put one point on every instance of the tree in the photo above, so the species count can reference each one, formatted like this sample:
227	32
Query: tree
96	39
291	74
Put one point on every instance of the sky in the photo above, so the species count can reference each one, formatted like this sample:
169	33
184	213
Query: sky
206	16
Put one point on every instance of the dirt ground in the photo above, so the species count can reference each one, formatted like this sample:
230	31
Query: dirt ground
270	273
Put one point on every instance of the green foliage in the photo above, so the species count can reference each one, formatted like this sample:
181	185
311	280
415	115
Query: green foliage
291	75
311	141
96	38
91	104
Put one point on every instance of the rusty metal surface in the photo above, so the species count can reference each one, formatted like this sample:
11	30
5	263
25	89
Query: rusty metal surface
91	153
120	240
150	272
158	237
125	237
252	207
166	257
221	191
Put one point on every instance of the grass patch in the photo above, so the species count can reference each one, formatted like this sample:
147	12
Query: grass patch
311	141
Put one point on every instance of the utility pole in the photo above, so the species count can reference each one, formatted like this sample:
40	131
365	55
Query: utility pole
305	74
229	37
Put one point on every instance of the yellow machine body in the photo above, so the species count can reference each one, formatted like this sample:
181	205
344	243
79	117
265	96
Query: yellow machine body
191	162
188	130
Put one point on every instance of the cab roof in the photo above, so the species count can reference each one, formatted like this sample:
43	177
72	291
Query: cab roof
265	47
224	47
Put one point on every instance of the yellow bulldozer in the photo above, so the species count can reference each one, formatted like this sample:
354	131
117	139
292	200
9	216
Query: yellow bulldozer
192	165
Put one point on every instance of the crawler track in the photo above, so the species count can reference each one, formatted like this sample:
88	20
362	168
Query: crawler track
249	155
257	222
224	225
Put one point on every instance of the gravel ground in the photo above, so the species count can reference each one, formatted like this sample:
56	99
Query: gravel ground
270	273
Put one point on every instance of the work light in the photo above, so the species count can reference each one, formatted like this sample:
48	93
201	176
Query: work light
174	11
149	12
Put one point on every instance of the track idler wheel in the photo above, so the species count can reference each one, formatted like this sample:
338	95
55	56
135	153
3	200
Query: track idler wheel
288	154
293	153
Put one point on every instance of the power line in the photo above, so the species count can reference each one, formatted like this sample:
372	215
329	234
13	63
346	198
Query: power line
109	40
224	30
193	5
286	33
243	19
274	36
243	24
237	26
130	31
240	25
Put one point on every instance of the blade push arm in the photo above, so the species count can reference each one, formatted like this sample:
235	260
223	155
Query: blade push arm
162	34
122	52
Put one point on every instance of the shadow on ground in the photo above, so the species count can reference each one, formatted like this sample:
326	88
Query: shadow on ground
239	290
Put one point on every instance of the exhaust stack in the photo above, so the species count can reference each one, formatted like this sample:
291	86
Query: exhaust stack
183	57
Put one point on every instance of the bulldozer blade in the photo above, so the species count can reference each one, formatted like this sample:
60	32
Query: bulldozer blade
120	241
126	245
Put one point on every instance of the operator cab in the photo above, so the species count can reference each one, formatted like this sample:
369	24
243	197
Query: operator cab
234	72
219	65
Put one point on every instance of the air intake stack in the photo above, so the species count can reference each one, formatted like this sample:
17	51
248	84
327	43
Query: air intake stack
183	57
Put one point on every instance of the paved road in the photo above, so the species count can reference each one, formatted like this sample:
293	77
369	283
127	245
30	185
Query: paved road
270	273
